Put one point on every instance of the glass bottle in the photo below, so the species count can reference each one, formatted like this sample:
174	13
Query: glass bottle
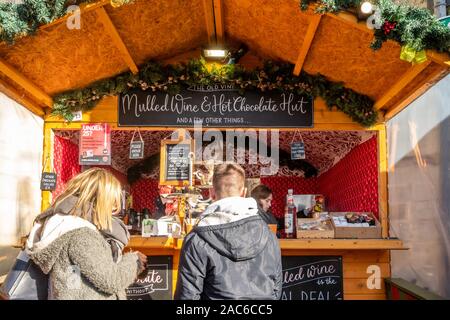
290	217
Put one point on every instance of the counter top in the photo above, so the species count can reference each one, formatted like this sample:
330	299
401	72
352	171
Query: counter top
285	244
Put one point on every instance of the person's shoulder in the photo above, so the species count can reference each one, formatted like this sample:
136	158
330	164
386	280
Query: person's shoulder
85	235
193	240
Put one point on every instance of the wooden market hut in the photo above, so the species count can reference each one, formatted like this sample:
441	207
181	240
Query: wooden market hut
112	40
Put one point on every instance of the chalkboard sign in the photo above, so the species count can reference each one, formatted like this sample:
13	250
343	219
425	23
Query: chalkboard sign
216	106
312	278
175	164
137	150
297	150
48	181
155	283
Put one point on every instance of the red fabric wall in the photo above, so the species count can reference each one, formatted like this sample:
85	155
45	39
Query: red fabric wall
144	193
280	186
65	161
66	164
352	184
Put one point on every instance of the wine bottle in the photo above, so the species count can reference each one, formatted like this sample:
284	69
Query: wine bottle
290	217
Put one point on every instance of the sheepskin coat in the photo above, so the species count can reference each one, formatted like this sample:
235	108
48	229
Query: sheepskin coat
78	260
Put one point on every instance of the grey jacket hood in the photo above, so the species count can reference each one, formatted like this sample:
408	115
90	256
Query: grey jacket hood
51	233
233	228
48	233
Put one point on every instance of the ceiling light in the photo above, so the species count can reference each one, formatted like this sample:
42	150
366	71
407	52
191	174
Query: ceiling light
215	53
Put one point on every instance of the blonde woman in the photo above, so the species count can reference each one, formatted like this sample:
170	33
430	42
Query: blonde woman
66	241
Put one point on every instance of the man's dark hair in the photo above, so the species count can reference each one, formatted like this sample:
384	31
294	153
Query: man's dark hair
261	192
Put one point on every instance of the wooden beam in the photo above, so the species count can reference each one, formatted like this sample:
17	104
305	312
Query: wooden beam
117	40
351	20
209	18
402	83
440	58
408	99
22	81
219	22
341	244
307	41
84	8
21	98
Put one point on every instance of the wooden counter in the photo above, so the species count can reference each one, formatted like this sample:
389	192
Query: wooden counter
358	257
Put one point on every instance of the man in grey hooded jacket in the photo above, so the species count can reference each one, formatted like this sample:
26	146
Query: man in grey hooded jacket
231	253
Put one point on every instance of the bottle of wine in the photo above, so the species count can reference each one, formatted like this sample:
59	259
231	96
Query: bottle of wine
290	217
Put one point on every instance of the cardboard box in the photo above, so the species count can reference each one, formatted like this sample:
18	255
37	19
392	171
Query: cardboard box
315	234
346	230
307	204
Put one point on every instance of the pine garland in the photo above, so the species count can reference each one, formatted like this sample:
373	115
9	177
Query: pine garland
22	19
171	78
414	27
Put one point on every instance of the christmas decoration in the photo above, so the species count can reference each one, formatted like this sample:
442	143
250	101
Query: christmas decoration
407	25
411	55
22	18
170	78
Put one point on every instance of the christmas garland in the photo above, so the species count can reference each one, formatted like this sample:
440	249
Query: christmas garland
170	78
414	28
23	18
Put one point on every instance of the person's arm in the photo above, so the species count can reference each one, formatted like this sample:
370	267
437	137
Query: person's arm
96	263
278	271
191	271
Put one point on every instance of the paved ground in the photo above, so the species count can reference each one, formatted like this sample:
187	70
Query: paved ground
7	257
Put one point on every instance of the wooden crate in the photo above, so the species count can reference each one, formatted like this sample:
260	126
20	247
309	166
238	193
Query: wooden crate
373	232
301	234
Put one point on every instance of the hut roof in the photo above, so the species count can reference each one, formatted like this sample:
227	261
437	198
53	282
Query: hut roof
113	40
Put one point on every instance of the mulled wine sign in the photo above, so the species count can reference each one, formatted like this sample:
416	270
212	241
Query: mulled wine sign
155	283
312	278
218	105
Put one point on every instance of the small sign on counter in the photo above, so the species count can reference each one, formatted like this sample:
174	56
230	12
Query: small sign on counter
155	283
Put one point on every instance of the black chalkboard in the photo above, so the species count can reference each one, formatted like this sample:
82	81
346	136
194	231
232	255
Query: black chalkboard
297	151
155	283
312	278
177	162
216	106
48	181
137	150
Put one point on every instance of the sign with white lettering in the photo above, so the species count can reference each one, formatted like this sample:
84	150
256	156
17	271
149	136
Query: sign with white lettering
175	164
95	144
312	278
298	151
216	106
155	283
137	150
48	181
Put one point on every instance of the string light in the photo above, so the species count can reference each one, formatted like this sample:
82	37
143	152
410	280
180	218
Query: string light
366	7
